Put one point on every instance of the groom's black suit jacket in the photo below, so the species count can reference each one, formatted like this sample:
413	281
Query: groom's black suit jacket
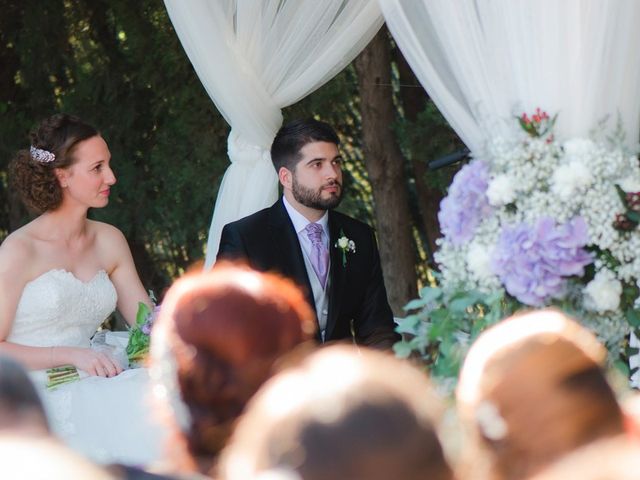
269	242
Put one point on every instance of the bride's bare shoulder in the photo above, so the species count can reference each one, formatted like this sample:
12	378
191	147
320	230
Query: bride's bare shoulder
16	250
107	233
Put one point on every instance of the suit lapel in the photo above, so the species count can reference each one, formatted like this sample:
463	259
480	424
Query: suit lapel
338	274
287	248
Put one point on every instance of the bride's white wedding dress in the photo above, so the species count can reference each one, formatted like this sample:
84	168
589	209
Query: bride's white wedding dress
107	419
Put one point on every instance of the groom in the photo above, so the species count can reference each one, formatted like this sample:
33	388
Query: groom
333	257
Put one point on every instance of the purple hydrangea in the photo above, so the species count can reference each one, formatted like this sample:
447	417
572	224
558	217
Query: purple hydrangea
151	318
466	203
533	263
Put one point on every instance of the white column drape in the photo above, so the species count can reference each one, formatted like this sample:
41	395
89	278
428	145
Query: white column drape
255	58
482	61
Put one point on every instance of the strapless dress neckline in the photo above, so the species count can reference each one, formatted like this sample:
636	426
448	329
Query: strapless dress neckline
64	271
58	309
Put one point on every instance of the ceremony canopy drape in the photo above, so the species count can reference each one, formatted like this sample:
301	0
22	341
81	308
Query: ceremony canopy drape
255	58
483	61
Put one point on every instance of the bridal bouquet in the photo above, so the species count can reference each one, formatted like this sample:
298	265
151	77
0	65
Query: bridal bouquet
139	334
535	222
136	350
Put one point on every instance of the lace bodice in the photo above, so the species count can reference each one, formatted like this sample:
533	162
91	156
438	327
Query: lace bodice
58	309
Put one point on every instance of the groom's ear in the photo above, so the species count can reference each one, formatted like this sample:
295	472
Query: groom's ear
286	177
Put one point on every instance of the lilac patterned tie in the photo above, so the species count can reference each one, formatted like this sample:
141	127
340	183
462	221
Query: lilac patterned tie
319	253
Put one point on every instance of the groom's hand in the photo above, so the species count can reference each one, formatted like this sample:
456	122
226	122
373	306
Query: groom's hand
96	363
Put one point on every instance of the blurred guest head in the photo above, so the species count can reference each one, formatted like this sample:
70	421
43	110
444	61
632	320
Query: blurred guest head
20	407
609	459
219	336
341	414
34	458
532	388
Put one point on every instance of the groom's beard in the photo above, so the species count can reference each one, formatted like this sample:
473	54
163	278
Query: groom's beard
313	198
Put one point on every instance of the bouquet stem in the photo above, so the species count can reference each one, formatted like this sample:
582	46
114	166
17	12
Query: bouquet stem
60	375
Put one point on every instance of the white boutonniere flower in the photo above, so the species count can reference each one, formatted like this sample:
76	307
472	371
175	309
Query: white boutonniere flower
345	245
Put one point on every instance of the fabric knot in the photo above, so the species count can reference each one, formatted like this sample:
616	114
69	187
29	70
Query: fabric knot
319	253
314	232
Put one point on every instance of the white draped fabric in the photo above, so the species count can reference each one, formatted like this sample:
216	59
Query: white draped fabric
483	61
255	58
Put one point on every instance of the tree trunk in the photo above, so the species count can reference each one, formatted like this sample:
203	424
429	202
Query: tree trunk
414	101
385	166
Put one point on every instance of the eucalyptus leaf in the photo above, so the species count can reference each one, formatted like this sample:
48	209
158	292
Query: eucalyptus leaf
633	317
414	304
402	349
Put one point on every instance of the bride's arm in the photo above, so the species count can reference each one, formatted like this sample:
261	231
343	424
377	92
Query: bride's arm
124	274
14	258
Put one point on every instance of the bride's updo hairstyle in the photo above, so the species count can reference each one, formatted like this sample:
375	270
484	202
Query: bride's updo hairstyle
219	336
531	390
33	176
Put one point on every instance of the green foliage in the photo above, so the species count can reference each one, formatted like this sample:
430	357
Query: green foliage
138	345
428	138
440	326
119	65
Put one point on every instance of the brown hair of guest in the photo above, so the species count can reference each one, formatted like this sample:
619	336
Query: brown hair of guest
36	182
227	329
532	389
341	414
609	459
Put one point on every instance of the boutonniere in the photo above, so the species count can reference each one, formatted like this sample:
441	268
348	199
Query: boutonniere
345	245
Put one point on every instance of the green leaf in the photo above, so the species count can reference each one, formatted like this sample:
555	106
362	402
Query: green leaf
633	216
402	349
622	195
633	317
408	324
430	294
622	366
414	304
460	305
438	316
142	314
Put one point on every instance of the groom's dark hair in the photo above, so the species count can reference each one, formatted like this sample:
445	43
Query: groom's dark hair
286	146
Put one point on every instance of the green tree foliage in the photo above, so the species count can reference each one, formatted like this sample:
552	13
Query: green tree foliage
119	65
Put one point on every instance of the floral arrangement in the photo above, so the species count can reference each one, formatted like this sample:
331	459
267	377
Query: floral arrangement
136	350
140	334
540	222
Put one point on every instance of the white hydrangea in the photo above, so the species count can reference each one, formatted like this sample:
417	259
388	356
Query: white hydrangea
578	148
630	183
479	261
501	190
602	294
570	179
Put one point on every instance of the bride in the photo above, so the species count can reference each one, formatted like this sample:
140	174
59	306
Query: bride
61	276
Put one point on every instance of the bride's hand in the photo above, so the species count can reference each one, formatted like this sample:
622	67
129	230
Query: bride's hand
96	363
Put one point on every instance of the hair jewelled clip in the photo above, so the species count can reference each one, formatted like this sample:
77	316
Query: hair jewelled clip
40	155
